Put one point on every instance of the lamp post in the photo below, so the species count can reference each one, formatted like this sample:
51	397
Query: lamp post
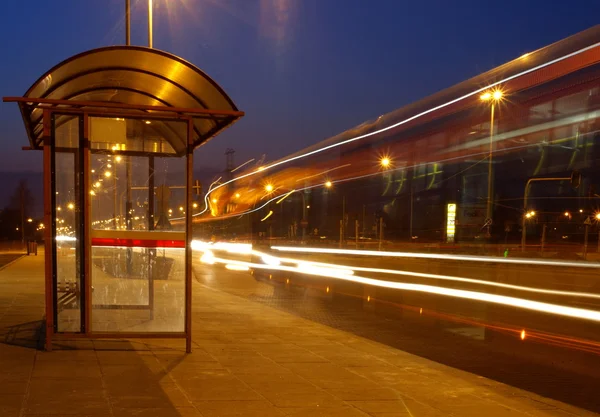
150	23
128	22
491	97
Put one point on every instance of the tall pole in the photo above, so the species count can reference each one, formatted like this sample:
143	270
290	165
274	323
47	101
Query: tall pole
22	198
303	224
380	232
411	214
150	23
127	22
585	241
490	172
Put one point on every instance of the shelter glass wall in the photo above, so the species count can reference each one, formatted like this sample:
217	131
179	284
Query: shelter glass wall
137	206
67	225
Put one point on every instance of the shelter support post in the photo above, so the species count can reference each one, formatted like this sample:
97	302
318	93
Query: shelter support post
189	173
48	228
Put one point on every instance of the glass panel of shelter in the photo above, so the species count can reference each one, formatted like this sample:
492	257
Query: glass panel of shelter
67	184
137	205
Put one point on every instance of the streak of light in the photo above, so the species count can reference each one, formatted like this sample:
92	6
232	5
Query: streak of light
284	197
244	164
235	267
324	172
312	269
416	116
523	334
267	216
208	258
210	189
448	257
245	248
556	309
452	278
270	260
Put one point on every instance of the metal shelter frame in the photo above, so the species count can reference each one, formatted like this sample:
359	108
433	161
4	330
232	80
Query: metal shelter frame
89	85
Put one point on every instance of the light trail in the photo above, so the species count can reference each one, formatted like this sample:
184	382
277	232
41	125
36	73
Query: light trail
419	255
244	164
522	303
267	216
446	278
414	117
284	197
246	249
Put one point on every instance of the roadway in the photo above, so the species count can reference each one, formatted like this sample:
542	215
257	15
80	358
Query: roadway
556	357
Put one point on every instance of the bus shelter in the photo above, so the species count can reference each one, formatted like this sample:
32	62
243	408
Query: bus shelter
118	127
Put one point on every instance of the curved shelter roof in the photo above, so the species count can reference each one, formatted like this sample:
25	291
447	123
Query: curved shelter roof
138	80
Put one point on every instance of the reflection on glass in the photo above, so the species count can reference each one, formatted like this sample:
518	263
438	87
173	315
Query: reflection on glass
68	254
137	287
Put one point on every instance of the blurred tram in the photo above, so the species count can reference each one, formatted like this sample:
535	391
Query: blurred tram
403	175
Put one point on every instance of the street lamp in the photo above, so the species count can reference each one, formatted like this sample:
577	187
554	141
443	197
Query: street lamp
269	188
328	184
491	97
385	162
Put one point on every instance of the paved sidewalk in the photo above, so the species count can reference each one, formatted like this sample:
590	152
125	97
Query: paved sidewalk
249	360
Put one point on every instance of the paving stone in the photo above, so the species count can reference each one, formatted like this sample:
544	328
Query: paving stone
258	408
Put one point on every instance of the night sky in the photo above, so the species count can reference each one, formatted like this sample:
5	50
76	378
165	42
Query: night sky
302	70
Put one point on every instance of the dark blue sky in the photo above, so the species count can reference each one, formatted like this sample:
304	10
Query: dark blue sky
302	70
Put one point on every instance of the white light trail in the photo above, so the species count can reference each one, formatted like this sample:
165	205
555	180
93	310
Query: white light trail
448	257
236	267
244	164
337	273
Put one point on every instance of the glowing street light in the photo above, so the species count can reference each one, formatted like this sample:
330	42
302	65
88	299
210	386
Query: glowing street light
118	158
567	214
195	205
180	208
214	200
237	195
71	206
597	216
385	162
328	184
30	220
269	188
107	174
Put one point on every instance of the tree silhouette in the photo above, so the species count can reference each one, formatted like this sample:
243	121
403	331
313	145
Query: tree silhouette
13	219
